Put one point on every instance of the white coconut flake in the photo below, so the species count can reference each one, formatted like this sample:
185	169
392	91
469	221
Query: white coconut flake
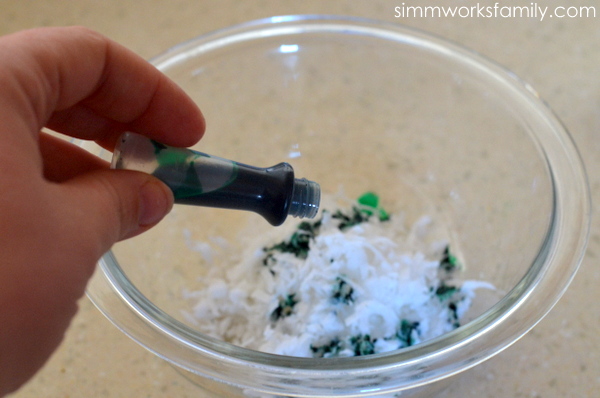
368	288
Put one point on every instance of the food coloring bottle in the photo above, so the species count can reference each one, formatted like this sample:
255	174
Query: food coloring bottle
200	179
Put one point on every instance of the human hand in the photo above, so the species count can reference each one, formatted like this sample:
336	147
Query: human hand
60	207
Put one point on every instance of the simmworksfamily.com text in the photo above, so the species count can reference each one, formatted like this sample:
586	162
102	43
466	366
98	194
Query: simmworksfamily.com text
497	10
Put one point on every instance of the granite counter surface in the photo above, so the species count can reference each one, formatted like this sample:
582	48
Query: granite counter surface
560	57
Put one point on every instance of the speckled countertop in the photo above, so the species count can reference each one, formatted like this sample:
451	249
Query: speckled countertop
560	57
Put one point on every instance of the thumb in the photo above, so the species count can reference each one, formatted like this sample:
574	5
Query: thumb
113	205
48	266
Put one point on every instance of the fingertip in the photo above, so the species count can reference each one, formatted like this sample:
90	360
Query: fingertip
192	131
114	205
155	202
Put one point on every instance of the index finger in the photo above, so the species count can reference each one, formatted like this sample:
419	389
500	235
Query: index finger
80	83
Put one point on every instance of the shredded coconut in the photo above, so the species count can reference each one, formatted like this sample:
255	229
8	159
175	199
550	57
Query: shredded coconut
351	283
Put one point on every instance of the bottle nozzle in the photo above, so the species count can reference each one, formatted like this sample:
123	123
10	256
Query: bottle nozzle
306	196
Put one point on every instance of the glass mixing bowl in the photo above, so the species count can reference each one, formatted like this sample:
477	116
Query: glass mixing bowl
361	106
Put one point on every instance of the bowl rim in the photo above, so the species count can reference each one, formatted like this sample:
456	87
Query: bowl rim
532	298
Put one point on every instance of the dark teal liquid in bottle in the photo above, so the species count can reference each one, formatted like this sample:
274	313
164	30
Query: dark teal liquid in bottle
203	180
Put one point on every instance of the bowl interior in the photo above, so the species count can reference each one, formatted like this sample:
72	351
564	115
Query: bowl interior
431	134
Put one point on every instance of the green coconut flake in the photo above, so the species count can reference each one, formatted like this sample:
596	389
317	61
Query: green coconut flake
363	344
285	307
330	349
406	333
449	262
343	292
370	200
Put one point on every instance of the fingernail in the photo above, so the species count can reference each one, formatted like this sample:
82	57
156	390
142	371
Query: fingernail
156	201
